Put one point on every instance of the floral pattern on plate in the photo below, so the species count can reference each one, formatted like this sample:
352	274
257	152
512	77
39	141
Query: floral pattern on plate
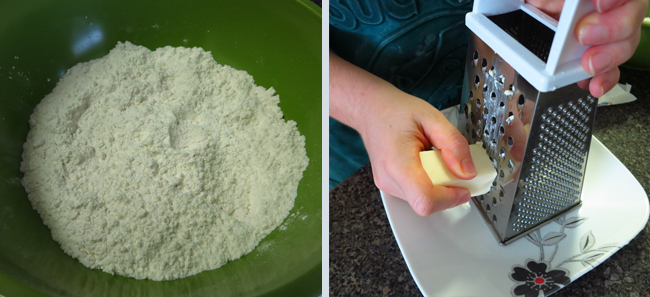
541	278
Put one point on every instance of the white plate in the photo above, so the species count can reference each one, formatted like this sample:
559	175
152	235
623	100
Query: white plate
453	253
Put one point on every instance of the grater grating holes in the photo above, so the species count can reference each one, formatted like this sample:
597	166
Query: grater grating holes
557	164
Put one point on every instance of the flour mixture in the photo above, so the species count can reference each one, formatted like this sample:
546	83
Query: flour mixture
160	164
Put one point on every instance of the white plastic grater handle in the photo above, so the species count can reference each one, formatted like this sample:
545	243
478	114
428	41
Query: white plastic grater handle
563	65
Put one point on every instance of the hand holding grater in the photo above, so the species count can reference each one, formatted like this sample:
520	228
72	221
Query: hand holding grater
523	103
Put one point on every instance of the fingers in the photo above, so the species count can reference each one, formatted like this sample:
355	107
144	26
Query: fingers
602	58
613	36
616	24
426	198
604	82
405	178
437	198
605	5
584	84
453	146
550	7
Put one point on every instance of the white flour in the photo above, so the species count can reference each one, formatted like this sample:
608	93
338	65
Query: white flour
160	164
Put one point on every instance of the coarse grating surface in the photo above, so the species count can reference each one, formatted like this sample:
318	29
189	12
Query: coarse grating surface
538	142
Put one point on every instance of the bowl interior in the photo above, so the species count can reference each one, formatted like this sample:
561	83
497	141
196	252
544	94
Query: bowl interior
277	42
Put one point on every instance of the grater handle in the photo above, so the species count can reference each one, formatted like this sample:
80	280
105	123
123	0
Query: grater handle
563	66
566	48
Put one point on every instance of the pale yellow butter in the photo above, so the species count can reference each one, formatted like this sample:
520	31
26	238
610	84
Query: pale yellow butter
440	175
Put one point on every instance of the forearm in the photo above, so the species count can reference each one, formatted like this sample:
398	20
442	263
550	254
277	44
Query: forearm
353	92
395	127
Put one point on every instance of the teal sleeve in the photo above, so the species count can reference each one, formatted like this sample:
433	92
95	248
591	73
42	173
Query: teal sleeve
417	45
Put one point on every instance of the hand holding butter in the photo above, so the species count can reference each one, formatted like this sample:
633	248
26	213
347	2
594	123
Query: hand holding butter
440	175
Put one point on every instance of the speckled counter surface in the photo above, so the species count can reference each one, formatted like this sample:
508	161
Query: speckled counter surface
365	259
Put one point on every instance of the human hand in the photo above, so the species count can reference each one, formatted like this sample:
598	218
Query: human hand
398	127
612	32
395	127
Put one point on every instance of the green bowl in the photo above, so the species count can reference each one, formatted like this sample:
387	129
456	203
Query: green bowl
277	42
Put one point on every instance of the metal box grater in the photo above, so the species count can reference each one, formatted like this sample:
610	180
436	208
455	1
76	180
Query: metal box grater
537	132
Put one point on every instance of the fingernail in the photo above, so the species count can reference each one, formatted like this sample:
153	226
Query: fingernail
602	91
600	62
598	6
468	167
592	34
462	196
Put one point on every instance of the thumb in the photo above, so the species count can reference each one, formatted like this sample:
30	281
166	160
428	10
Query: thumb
453	146
423	197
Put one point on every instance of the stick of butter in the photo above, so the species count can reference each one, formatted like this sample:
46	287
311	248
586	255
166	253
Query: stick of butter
440	175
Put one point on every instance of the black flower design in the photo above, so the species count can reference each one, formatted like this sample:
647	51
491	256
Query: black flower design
535	278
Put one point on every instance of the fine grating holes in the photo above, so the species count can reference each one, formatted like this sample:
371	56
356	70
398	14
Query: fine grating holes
475	57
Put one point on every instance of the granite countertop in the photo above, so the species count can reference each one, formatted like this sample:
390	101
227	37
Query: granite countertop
365	259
